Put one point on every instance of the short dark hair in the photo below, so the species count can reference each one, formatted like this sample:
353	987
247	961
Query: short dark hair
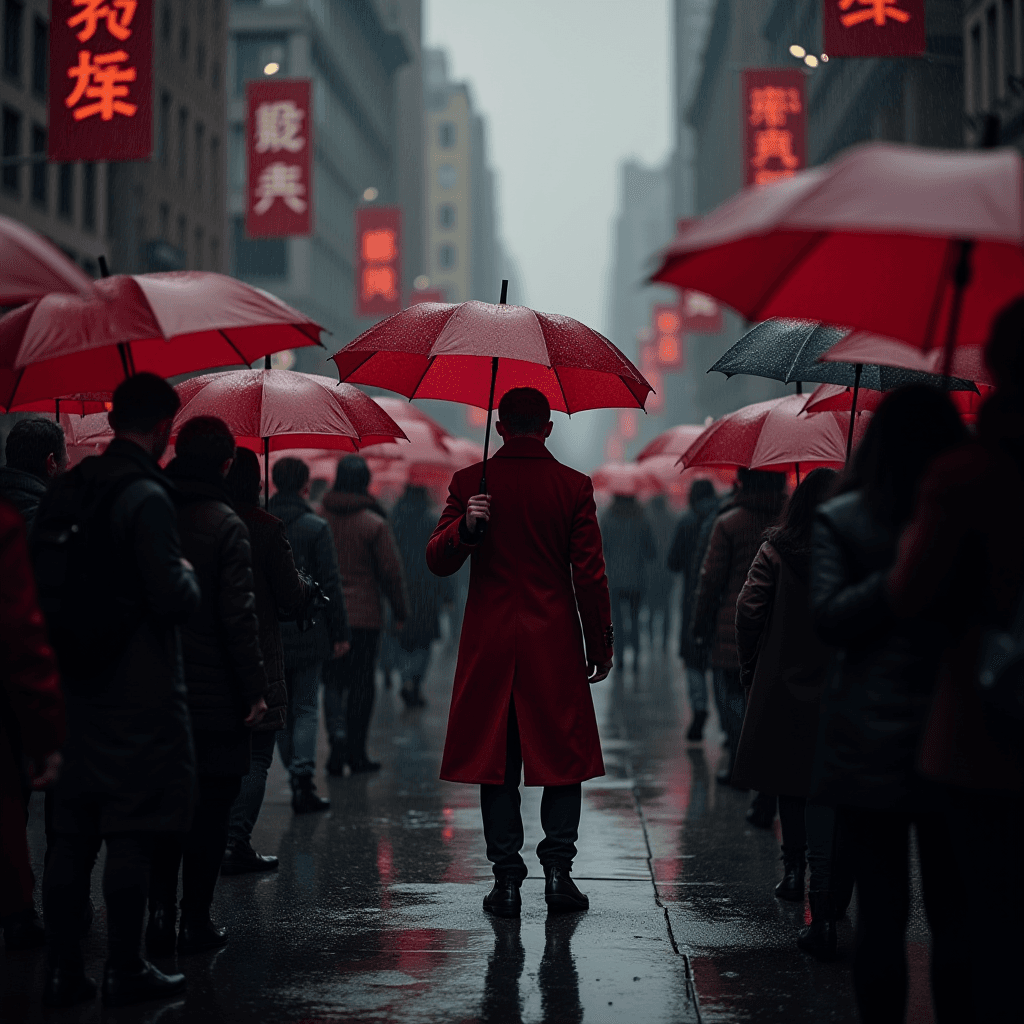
760	481
701	490
290	475
141	402
353	476
244	477
524	411
30	442
1004	353
205	441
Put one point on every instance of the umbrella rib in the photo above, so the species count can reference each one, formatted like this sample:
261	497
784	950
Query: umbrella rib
430	363
241	357
565	397
805	249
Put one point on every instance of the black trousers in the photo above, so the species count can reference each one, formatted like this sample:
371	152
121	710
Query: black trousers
125	881
355	674
878	843
503	821
198	852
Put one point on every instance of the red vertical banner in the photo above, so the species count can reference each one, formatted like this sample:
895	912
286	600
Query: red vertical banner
667	327
101	80
651	370
873	28
774	124
280	148
378	260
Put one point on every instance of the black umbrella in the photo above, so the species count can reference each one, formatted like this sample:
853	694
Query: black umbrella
788	351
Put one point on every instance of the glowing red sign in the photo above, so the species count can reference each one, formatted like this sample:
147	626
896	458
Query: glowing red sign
667	327
652	372
378	260
773	124
101	80
873	28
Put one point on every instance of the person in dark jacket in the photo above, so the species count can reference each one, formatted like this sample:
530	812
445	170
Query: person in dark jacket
783	666
629	548
685	557
735	539
129	764
659	577
279	590
371	569
226	681
413	520
36	452
305	652
873	711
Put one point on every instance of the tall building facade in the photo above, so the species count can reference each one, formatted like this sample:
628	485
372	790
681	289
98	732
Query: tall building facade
166	213
993	42
355	52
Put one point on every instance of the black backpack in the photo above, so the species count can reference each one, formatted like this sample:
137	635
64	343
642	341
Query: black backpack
86	586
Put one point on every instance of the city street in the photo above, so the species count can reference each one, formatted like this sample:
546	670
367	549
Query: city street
375	914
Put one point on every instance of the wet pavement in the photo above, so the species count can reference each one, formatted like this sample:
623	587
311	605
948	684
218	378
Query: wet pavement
375	913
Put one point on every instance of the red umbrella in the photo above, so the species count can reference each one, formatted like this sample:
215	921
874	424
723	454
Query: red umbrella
404	413
775	436
168	324
626	478
836	398
81	404
673	441
420	448
919	244
31	267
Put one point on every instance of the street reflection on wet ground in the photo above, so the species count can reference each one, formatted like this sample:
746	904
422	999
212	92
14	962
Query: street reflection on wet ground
375	913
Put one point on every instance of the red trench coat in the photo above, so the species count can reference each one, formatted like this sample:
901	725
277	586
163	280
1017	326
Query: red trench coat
538	610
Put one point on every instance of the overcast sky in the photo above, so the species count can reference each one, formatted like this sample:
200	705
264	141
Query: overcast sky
570	88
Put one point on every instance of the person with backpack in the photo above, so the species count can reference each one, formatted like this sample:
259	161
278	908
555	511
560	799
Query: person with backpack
114	588
305	651
36	452
226	682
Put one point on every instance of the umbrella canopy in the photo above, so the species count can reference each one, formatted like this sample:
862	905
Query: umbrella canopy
626	478
80	404
438	350
676	485
31	266
789	350
776	436
404	413
673	441
836	398
872	240
420	448
268	410
168	324
860	346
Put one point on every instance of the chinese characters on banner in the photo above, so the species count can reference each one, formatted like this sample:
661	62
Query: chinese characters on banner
101	80
873	28
667	327
773	124
378	261
280	148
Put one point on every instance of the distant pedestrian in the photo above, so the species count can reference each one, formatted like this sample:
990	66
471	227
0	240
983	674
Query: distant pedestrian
306	651
226	682
279	590
371	570
114	601
659	577
537	630
35	452
685	557
874	708
630	549
734	541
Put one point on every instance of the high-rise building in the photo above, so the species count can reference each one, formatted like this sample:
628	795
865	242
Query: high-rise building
993	41
362	57
166	213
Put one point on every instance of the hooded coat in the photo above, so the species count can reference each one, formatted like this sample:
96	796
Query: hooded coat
538	611
629	545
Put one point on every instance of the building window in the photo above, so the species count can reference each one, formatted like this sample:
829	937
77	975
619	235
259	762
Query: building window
258	257
446	257
182	141
66	191
199	249
215	168
992	57
977	101
446	176
446	216
1009	44
14	14
40	169
200	59
182	233
165	223
446	134
254	52
89	197
165	24
163	128
200	150
40	55
12	148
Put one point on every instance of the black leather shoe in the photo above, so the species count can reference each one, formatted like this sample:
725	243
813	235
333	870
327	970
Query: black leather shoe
696	731
304	798
122	987
819	937
792	885
199	935
336	762
160	936
240	859
67	988
504	900
24	931
560	890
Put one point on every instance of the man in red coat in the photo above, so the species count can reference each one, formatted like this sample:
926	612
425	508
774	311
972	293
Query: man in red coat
537	630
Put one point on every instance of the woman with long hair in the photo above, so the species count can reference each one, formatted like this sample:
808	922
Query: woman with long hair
874	708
